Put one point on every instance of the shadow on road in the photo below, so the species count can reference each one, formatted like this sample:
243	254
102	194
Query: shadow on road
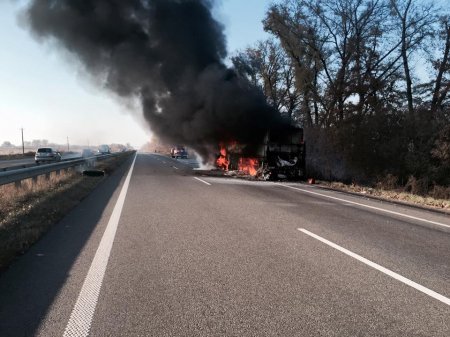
29	287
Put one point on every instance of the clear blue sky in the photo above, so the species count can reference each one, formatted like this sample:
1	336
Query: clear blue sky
41	92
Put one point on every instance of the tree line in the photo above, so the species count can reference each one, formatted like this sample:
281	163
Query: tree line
33	143
369	81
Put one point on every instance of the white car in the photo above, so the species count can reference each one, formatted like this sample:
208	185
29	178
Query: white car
46	154
178	152
104	149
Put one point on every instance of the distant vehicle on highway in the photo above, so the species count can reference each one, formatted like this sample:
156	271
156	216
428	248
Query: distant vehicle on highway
178	152
89	156
104	149
46	154
86	153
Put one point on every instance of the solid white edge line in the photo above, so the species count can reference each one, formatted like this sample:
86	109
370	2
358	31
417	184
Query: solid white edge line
204	182
83	311
376	266
367	206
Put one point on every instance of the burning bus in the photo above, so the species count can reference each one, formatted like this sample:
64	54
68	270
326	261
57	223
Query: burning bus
280	156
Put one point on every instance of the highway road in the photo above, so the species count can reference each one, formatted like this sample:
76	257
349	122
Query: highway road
27	162
158	251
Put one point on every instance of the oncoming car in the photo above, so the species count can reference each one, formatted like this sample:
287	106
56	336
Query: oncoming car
86	153
178	152
89	156
104	149
46	154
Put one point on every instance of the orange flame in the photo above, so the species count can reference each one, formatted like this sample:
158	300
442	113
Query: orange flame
222	162
249	166
245	165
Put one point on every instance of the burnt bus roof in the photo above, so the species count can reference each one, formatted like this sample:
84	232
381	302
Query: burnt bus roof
285	135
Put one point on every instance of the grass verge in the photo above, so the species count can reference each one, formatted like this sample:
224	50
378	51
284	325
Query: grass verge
391	194
29	210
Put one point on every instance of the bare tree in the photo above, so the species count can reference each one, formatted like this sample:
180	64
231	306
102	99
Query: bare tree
442	65
355	71
266	65
286	23
7	143
341	49
415	23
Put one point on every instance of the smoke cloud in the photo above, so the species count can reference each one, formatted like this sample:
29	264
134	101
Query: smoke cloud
167	53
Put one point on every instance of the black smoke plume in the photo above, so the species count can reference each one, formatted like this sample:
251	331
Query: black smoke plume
167	53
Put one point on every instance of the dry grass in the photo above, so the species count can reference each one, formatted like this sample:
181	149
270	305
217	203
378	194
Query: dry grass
28	191
390	191
29	210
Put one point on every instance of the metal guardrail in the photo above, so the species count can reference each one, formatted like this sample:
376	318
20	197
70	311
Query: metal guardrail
35	171
17	167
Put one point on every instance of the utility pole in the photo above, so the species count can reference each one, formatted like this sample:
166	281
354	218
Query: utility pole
68	148
23	145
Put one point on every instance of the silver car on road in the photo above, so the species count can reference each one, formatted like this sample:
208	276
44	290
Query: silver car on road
47	154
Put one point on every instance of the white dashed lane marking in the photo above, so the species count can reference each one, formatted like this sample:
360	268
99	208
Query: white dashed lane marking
376	266
201	180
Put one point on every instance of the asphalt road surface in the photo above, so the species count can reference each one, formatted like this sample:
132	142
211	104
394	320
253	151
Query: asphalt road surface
30	161
158	251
